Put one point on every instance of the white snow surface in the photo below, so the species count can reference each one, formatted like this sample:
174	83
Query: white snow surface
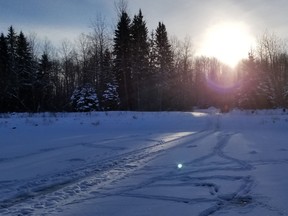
126	163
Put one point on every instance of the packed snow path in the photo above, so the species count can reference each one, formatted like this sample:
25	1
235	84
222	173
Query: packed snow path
229	167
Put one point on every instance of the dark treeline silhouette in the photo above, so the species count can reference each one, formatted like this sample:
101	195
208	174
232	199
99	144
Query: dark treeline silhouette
136	70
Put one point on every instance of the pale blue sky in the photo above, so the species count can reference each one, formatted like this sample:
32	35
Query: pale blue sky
59	19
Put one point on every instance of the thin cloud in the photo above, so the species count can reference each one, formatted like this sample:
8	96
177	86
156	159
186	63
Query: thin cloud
185	17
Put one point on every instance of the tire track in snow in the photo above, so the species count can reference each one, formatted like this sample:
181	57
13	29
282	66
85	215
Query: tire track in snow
240	197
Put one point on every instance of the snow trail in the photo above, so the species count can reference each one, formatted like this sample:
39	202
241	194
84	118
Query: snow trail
225	170
83	181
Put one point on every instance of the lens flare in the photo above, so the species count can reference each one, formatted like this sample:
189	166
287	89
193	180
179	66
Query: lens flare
222	89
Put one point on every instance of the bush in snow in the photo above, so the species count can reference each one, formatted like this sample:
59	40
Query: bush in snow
111	99
84	99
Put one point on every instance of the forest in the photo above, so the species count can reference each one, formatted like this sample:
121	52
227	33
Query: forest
135	69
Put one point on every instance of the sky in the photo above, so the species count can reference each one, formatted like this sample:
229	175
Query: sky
202	21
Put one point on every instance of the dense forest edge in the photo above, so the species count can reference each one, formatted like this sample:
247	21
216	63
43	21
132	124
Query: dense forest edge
135	69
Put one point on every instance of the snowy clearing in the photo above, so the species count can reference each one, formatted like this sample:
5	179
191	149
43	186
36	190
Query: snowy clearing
128	163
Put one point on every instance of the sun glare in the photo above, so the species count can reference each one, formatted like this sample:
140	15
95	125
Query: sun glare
228	42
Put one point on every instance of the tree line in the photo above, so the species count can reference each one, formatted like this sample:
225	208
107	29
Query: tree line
135	70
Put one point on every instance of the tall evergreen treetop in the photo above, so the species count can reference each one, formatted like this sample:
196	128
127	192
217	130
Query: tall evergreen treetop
11	40
3	73
11	48
140	62
122	60
122	41
3	57
24	58
140	46
164	52
164	68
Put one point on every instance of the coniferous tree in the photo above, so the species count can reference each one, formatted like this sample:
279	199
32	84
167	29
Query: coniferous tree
26	74
122	61
140	64
3	74
248	96
109	98
12	90
44	86
152	92
84	99
164	65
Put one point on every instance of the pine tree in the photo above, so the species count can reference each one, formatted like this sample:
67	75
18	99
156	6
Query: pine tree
164	65
248	91
4	79
44	86
26	74
110	98
152	92
122	61
13	79
84	99
140	63
152	55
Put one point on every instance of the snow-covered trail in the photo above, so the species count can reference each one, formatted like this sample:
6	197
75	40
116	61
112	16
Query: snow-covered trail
228	168
80	182
47	162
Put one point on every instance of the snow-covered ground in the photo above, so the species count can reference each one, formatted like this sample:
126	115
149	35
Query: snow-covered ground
126	163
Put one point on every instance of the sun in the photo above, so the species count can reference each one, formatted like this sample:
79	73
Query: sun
228	42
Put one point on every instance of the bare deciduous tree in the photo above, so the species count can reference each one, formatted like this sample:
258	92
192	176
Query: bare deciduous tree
120	7
272	54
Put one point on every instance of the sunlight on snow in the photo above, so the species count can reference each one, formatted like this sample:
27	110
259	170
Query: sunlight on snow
199	114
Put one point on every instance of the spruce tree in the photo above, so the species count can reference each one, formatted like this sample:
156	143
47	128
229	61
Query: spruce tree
26	74
140	63
13	80
247	93
84	99
3	74
44	86
109	97
152	74
122	61
164	65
